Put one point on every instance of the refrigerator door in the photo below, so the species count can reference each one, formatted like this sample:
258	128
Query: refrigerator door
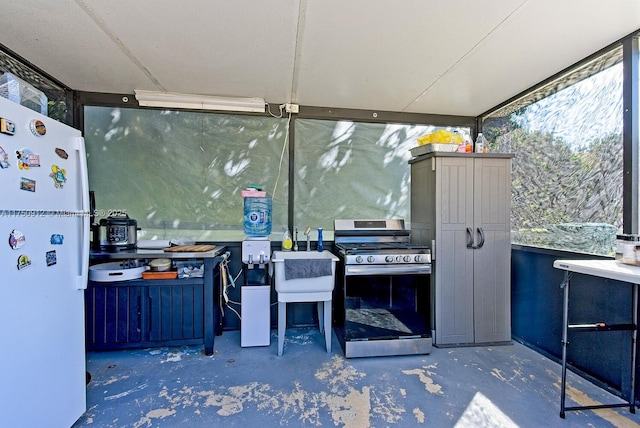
42	332
44	254
46	172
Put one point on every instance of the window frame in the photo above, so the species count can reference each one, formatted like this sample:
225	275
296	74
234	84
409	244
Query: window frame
628	46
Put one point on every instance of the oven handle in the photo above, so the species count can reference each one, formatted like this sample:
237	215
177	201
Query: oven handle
388	270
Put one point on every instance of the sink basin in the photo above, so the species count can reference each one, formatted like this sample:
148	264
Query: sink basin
303	285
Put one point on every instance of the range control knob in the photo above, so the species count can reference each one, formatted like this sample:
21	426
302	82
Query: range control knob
358	259
398	259
407	259
389	259
418	258
371	259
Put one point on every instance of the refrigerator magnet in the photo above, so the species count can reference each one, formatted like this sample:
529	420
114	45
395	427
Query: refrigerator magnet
63	154
16	239
7	127
27	184
59	176
37	127
51	258
57	239
4	159
27	159
23	261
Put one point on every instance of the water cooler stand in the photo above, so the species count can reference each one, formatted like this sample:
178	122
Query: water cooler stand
255	294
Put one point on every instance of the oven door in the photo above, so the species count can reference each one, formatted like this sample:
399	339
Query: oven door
380	314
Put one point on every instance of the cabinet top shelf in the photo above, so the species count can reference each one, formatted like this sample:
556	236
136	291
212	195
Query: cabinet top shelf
154	254
462	155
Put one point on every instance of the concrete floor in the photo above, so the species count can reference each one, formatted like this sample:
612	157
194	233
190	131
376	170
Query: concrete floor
501	386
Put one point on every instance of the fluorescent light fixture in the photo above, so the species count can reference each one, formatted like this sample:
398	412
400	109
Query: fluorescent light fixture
198	102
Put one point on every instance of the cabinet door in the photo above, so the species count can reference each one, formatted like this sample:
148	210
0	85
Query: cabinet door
112	315
492	262
176	311
453	264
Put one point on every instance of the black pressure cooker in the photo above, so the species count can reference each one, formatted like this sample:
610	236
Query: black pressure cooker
118	233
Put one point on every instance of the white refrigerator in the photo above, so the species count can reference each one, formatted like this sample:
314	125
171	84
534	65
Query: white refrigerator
44	255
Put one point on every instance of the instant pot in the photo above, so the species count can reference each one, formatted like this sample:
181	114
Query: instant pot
118	233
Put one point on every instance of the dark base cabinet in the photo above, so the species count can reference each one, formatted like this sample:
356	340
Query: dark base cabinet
144	313
176	312
112	315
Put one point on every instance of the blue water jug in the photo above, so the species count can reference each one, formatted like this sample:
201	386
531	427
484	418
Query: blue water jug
257	216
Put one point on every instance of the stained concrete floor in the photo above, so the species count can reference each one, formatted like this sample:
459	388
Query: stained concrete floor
501	386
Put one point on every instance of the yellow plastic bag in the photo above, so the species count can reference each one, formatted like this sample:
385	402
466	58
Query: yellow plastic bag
441	136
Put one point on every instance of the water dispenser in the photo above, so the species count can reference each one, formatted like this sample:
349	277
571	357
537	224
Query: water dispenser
255	327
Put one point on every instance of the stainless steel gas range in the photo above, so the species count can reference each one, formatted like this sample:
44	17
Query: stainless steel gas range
382	295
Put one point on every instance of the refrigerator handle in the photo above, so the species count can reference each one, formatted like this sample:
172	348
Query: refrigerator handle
83	263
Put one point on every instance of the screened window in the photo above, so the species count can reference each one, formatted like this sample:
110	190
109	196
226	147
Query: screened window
54	104
346	169
568	165
179	174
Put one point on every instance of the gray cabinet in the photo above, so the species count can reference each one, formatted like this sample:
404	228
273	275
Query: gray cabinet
460	206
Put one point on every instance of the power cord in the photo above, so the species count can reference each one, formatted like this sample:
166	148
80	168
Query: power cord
284	147
228	281
281	106
233	310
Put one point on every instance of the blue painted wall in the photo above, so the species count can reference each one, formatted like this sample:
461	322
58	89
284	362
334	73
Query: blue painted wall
537	304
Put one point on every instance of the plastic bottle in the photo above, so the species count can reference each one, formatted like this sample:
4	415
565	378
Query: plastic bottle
320	245
620	239
627	244
481	143
287	242
467	144
257	216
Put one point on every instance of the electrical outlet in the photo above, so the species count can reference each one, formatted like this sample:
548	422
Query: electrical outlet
291	108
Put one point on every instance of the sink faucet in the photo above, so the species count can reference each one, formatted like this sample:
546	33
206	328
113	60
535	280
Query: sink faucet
307	232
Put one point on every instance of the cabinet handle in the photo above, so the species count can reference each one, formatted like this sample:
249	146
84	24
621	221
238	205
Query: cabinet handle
149	325
139	313
470	238
139	327
470	243
481	233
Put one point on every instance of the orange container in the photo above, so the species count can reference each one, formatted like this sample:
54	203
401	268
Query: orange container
159	275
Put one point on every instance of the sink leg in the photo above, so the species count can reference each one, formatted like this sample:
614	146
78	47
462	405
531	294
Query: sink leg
282	323
327	324
319	308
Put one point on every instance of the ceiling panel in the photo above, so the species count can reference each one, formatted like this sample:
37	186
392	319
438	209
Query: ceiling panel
60	38
365	52
458	57
510	60
240	48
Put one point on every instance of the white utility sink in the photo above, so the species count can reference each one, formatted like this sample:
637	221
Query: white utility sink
305	284
315	285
